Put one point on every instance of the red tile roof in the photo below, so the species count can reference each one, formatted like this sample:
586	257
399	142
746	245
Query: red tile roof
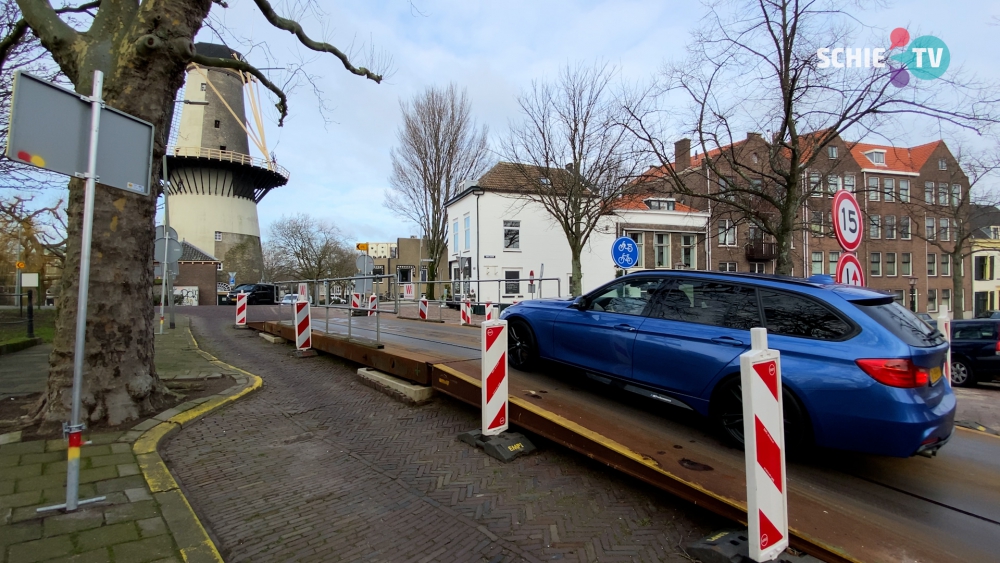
637	203
897	159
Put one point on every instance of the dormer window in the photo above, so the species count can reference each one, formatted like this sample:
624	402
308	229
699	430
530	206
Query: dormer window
668	204
545	181
877	157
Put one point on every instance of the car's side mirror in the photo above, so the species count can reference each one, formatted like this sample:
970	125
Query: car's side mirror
580	303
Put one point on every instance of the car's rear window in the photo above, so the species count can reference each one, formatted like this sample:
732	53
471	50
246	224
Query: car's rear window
901	322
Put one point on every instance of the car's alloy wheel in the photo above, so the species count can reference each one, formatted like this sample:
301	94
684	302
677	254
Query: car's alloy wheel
522	351
727	405
961	375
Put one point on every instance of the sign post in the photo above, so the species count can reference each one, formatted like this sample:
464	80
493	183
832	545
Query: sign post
764	438
848	229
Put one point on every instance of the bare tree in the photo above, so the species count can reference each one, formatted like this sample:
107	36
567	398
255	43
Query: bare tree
277	265
31	233
246	260
573	155
952	220
757	67
440	145
315	249
143	48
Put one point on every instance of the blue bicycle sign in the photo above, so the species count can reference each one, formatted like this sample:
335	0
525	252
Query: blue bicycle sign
625	252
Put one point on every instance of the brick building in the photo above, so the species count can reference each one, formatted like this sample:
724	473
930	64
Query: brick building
909	198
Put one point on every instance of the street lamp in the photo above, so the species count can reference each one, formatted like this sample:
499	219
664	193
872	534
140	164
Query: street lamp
913	294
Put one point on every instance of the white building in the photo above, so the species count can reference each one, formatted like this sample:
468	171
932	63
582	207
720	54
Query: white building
494	233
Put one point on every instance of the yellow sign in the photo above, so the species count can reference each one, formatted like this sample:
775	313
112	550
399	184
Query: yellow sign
363	246
20	265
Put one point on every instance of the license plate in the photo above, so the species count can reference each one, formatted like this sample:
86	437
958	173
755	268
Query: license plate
935	375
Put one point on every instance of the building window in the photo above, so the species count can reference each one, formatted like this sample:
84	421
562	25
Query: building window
946	299
931	300
727	266
877	157
468	232
904	191
817	263
217	123
688	257
875	226
661	204
661	249
942	194
890	227
512	286
872	189
833	258
218	266
756	185
455	237
945	265
218	236
404	274
906	264
638	238
889	189
759	267
890	263
904	228
932	264
816	223
726	187
995	233
956	194
929	193
849	183
943	232
898	296
876	266
423	274
222	147
203	86
979	270
815	185
727	233
929	228
832	185
942	164
511	235
831	152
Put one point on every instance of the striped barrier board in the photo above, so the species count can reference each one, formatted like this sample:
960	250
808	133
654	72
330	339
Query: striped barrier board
764	437
303	326
489	310
466	312
423	308
944	327
372	304
494	388
241	309
355	301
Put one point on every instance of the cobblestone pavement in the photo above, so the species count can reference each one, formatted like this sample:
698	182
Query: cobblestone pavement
980	404
318	467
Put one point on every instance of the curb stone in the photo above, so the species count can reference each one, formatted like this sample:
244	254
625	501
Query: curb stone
193	540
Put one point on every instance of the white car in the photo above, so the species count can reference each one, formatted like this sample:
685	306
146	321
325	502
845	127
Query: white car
290	298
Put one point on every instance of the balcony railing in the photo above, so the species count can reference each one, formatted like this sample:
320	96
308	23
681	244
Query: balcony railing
760	251
227	156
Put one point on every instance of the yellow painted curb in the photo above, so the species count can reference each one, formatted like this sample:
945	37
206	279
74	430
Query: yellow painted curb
158	476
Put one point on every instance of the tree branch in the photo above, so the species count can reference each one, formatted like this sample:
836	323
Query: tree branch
295	28
12	39
237	64
55	34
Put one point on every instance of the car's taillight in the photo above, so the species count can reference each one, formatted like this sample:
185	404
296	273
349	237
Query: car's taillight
895	372
996	348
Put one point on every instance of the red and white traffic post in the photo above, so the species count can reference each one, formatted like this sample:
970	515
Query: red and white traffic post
494	387
423	308
944	327
764	438
355	302
372	304
303	326
241	309
466	312
489	311
848	228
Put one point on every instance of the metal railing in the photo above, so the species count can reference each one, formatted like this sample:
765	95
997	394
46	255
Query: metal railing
228	156
389	287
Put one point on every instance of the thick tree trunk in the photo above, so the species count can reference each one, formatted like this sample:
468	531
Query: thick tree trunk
576	277
957	289
119	377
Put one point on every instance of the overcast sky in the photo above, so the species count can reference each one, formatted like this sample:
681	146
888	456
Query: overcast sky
339	171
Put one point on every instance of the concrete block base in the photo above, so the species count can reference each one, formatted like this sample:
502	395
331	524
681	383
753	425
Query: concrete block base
272	338
241	327
408	392
306	353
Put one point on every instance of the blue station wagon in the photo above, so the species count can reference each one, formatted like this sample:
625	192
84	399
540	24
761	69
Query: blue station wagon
860	371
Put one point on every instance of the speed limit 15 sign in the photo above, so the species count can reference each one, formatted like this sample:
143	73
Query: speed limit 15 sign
847	220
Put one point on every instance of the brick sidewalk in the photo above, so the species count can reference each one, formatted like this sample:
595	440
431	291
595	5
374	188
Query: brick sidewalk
144	517
318	467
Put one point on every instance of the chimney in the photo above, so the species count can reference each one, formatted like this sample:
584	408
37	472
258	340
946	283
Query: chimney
469	184
752	135
682	155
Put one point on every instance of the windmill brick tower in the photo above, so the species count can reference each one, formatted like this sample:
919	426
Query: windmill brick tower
215	184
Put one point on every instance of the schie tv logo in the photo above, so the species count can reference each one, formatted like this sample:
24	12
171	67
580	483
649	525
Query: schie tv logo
926	57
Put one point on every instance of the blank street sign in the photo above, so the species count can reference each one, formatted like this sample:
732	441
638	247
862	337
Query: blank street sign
50	129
